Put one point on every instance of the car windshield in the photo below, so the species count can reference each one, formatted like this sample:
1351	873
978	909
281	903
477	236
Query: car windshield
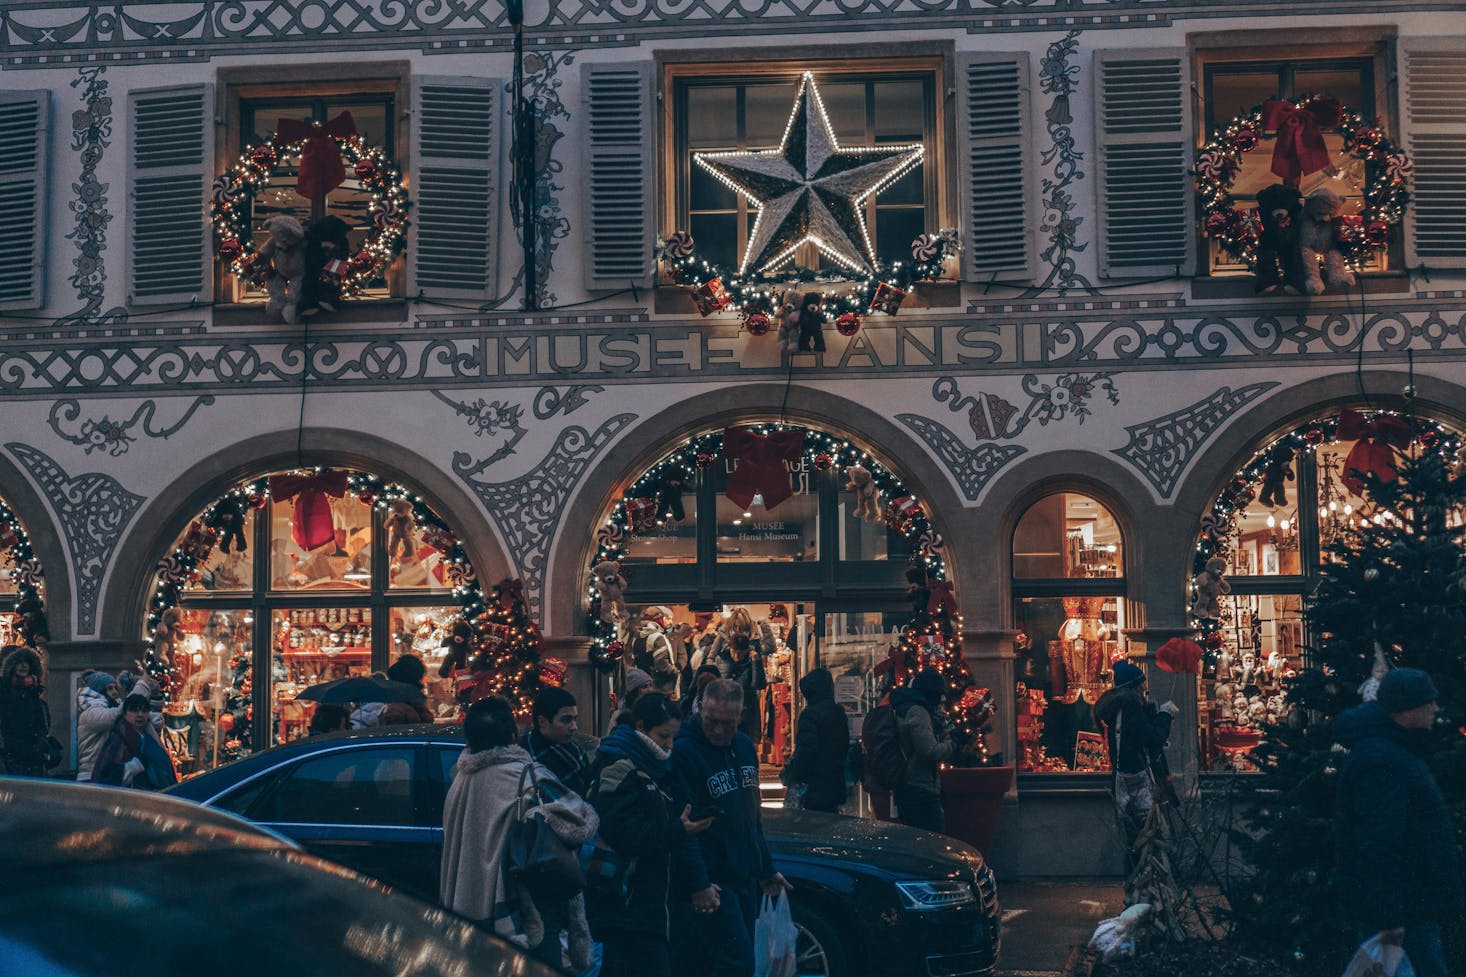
232	913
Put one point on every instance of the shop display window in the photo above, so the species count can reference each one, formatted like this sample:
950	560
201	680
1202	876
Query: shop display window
788	533
855	643
1068	588
7	629
1243	684
7	582
340	553
207	719
424	632
231	572
310	646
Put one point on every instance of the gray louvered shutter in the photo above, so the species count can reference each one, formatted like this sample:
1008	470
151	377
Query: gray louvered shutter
619	132
995	140
1143	130
456	140
1434	74
25	136
168	233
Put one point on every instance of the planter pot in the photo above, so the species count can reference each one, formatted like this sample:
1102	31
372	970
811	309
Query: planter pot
972	801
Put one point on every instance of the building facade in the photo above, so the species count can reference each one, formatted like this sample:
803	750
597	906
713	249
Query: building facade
1088	398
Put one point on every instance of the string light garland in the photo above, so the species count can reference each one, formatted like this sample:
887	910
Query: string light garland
825	456
28	576
236	190
1387	170
1219	526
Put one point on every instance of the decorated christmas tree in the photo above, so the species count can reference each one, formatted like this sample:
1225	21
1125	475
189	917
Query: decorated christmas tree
508	646
1392	593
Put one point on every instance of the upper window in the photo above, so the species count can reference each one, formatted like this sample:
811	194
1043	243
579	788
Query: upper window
1238	81
723	108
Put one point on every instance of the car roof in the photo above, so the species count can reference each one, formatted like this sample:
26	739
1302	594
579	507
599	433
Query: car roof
51	822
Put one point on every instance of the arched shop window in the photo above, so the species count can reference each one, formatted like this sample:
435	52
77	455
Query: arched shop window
1069	609
1270	529
797	535
293	580
22	599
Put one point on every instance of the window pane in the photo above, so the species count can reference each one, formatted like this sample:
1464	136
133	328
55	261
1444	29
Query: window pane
712	117
909	189
717	238
706	192
310	646
766	113
845	106
207	717
426	632
232	572
755	535
854	644
1345	84
340	561
1066	651
1236	92
1267	529
669	540
896	228
1067	535
863	539
370	119
365	786
900	110
1242	687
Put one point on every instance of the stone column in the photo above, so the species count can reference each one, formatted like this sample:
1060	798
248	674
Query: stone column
990	657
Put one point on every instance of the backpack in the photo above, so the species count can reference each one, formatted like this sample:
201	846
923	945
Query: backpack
880	741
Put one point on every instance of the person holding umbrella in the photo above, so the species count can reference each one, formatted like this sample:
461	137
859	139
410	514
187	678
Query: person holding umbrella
377	691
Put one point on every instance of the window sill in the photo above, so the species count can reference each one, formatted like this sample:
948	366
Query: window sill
1063	784
1386	283
676	300
353	313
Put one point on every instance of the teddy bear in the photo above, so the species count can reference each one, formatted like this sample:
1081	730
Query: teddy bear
1279	265
1210	586
1319	241
400	528
284	253
670	489
325	241
227	519
867	500
788	318
166	634
1279	470
811	321
918	591
607	578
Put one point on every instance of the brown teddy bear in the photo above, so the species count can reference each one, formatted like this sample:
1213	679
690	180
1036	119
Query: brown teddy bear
1318	241
285	254
167	635
400	528
607	578
867	499
1210	586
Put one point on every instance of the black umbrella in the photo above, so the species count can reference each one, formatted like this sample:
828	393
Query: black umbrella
363	688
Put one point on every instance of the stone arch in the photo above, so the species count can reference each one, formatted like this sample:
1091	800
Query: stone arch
47	542
166	515
895	448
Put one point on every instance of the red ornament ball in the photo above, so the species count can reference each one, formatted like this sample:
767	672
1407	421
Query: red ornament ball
366	498
226	721
230	248
615	649
1216	223
257	500
847	323
1367	138
704	461
1214	640
362	261
262	156
1244	140
823	461
1429	439
1313	436
757	323
366	170
1377	232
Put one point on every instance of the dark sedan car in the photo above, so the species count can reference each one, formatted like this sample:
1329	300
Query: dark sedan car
870	899
103	882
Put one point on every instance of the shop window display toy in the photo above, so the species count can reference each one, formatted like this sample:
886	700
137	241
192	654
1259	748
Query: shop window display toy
30	627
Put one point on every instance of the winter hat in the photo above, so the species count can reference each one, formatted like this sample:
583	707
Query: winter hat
929	684
1127	675
98	681
636	679
1405	688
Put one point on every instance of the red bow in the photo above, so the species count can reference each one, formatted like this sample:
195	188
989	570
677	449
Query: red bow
761	468
1300	149
895	663
1179	655
1374	449
942	599
311	525
321	169
511	592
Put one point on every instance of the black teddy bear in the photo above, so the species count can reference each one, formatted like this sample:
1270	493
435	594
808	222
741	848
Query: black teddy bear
325	240
1279	470
670	489
228	520
1279	262
812	323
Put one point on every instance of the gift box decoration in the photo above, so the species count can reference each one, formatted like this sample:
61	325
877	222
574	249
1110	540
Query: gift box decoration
901	512
552	671
887	299
641	514
334	270
710	297
494	635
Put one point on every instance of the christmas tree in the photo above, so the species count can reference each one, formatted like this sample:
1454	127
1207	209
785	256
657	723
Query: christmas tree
508	648
1392	593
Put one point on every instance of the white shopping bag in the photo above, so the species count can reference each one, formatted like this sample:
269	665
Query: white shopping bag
1376	959
773	939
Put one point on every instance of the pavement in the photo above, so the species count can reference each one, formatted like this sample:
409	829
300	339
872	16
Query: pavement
1042	920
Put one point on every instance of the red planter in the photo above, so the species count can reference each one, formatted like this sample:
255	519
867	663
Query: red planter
972	801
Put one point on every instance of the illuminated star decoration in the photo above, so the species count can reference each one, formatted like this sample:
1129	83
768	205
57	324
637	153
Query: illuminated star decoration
810	189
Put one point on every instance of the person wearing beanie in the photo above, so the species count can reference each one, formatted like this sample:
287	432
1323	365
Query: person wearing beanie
922	730
821	741
98	707
636	685
1398	872
25	718
1136	731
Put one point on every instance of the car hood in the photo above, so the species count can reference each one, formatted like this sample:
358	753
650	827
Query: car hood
881	845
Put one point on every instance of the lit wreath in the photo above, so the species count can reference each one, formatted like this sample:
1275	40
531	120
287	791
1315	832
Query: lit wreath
1387	170
28	576
695	459
235	190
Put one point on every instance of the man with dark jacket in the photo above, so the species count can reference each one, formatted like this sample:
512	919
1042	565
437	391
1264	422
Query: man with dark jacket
1397	866
1136	730
820	744
554	720
729	863
925	743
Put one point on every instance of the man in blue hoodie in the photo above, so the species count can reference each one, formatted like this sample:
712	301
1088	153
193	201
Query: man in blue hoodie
729	863
1397	868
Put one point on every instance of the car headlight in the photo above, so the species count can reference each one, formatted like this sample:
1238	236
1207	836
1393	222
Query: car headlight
928	896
